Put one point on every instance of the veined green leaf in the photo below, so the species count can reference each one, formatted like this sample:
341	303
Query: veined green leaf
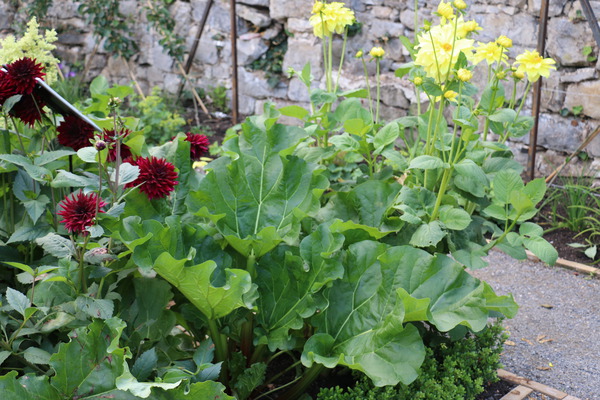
17	300
386	136
504	183
56	245
454	218
265	191
427	235
195	284
542	249
426	162
294	111
27	387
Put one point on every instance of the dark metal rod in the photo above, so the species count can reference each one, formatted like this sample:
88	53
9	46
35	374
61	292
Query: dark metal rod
190	60
537	91
234	64
589	15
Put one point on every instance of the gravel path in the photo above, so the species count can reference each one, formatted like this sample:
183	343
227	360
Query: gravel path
556	304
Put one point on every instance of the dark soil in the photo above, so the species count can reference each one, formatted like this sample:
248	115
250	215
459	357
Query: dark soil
496	391
561	238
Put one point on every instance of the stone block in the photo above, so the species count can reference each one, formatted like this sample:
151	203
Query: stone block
257	3
254	84
299	25
566	41
256	17
586	94
578	75
521	28
303	50
559	133
250	50
297	91
555	8
553	96
208	52
281	9
381	28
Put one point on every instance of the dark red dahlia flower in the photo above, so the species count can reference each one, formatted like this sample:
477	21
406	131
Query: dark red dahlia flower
198	145
29	109
22	73
79	211
75	133
111	142
157	177
7	89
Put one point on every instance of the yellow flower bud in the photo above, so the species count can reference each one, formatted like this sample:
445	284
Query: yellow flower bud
504	42
464	75
359	54
471	26
518	75
377	52
459	4
445	10
418	81
450	95
501	75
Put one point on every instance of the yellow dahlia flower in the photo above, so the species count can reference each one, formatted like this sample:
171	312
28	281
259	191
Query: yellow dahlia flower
534	65
377	52
464	28
359	54
464	74
418	81
489	52
445	11
330	18
518	75
438	49
504	42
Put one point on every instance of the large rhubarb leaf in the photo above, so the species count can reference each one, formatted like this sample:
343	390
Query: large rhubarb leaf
28	387
196	285
362	327
258	195
287	285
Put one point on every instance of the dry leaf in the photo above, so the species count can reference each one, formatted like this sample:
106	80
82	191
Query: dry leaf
527	341
543	368
509	343
545	341
548	306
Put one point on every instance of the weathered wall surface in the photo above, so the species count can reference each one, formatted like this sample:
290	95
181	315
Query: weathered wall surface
575	84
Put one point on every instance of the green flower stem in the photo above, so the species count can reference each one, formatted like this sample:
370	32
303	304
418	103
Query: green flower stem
455	131
300	388
337	78
378	77
440	112
257	354
431	109
247	336
525	93
20	138
441	192
416	21
330	64
82	277
486	125
492	243
370	98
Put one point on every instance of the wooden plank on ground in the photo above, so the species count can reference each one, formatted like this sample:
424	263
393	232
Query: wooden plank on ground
518	393
575	266
538	387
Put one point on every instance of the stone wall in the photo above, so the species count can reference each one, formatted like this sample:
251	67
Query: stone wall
575	84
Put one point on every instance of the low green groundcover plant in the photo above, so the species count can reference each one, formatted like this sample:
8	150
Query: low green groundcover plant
137	271
451	370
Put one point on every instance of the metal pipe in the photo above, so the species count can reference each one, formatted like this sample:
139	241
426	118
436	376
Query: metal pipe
194	49
234	64
591	18
537	91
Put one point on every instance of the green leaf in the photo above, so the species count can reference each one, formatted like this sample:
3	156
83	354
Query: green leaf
10	102
91	362
17	300
145	364
427	235
492	98
426	162
431	88
362	327
36	207
294	111
530	229
249	380
454	218
358	93
99	85
471	178
3	356
258	196
22	267
50	156
68	179
127	382
127	173
535	190
541	248
503	115
56	245
386	136
504	183
96	308
195	284
88	154
504	305
36	355
357	126
320	96
345	142
520	202
29	233
28	387
287	285
404	69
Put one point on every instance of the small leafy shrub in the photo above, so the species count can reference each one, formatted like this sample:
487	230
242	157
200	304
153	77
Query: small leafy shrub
159	119
452	370
272	61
